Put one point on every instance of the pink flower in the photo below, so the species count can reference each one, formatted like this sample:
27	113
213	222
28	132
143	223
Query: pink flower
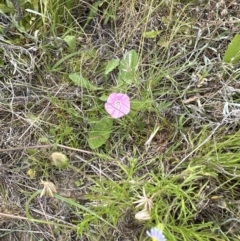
117	105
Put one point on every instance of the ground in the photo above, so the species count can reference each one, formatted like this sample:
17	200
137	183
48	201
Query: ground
69	171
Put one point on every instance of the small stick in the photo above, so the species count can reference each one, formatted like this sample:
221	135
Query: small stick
45	146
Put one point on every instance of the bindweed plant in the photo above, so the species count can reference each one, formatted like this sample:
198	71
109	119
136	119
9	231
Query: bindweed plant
117	105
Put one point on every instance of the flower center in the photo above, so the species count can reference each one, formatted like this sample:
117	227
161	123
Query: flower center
118	103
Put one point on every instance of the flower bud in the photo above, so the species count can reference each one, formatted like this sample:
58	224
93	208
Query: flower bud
31	173
48	189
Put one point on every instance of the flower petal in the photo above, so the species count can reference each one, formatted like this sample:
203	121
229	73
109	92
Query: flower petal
113	111
117	105
156	234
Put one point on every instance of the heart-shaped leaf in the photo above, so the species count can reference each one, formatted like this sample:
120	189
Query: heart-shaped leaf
111	65
100	132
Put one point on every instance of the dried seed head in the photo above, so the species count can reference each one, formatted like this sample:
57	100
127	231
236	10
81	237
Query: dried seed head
48	189
59	159
144	201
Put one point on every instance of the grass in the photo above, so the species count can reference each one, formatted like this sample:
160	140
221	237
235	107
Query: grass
186	176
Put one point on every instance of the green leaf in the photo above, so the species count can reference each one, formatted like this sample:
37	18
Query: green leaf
232	54
103	97
59	62
111	65
35	5
78	80
93	12
71	41
100	132
138	105
5	9
151	34
128	66
164	42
